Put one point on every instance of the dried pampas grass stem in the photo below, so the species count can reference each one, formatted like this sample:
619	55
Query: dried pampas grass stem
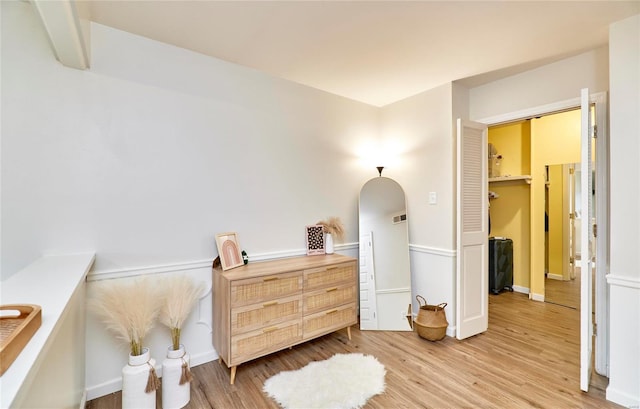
181	294
334	226
129	310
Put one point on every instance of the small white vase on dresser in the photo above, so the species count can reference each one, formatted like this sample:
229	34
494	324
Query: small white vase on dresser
175	368
328	243
135	378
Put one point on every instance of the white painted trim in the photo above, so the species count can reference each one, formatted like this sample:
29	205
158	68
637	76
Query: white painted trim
451	331
622	398
532	112
602	242
431	250
519	289
197	264
623	281
147	270
66	37
555	277
536	297
394	290
83	400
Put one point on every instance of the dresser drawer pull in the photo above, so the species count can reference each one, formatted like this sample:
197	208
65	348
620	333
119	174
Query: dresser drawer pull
270	279
332	268
331	312
269	304
332	289
270	329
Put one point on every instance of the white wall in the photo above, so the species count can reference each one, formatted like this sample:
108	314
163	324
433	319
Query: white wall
624	277
155	149
422	127
548	84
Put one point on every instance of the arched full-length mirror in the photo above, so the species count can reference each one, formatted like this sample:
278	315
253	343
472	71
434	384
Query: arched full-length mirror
385	275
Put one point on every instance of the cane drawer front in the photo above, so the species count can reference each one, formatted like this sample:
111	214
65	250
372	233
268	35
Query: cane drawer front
328	321
329	298
265	288
250	345
254	316
329	276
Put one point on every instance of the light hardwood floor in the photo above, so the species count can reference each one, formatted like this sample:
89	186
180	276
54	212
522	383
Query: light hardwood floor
529	358
565	293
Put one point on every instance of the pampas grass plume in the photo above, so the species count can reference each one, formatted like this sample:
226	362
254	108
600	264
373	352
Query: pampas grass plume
181	294
129	310
334	226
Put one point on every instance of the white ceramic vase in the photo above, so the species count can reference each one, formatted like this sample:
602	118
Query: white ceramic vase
328	243
135	376
174	395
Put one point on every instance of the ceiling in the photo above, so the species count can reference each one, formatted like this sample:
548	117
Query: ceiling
375	52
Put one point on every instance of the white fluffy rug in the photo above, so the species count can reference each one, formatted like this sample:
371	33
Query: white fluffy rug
344	381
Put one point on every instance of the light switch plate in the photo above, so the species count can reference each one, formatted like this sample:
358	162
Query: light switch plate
433	198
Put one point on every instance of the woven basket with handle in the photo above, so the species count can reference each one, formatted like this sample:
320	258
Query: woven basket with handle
431	322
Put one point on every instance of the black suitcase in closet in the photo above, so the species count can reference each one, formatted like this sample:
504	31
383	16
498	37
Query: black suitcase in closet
500	264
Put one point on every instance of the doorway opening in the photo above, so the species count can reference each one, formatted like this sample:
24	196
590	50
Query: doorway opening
521	185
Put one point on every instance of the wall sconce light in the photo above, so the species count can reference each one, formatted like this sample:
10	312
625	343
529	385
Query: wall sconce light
380	170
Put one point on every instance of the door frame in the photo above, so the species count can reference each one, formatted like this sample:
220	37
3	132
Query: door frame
602	206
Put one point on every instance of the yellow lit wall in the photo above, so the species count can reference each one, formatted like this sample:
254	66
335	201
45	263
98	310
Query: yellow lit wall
513	142
510	213
555	235
527	147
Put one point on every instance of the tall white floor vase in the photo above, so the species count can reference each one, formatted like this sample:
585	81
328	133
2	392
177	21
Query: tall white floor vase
176	379
138	377
328	248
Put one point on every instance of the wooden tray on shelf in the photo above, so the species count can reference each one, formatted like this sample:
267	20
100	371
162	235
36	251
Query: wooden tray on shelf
16	329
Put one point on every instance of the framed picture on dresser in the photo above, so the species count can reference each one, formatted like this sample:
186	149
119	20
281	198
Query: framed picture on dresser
315	239
229	250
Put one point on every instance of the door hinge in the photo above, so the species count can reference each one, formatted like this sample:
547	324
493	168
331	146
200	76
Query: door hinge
595	131
571	171
572	260
572	216
595	329
595	230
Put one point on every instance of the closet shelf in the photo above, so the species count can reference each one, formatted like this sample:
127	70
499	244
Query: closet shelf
524	178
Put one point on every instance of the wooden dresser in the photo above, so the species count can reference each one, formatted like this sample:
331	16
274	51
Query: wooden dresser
264	307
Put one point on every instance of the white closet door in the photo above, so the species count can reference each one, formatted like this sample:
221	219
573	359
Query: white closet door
472	277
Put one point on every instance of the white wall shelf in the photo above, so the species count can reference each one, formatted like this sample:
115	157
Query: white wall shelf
524	178
56	284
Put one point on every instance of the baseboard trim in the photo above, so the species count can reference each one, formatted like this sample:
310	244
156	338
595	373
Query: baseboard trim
621	398
519	289
451	331
536	297
555	277
115	385
83	400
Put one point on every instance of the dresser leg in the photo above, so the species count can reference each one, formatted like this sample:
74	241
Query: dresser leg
349	333
233	374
